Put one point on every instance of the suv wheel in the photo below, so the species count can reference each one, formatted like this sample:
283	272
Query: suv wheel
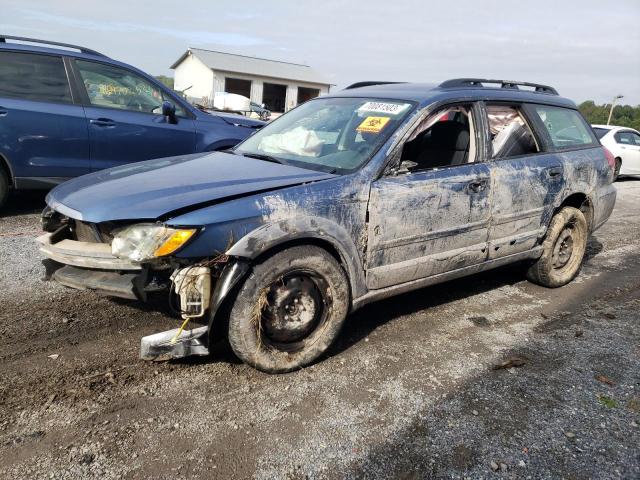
563	250
289	310
4	187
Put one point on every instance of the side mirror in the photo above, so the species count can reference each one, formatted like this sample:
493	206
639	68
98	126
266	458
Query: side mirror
169	111
405	167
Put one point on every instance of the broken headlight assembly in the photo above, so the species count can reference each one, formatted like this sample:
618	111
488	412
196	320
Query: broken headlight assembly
147	241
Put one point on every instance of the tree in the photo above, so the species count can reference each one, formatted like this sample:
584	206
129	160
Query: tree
168	81
623	115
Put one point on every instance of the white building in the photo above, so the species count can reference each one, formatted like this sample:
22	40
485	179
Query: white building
279	85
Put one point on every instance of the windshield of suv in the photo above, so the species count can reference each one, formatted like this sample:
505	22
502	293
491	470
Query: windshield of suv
335	135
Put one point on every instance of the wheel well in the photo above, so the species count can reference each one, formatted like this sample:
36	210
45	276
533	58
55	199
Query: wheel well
582	203
4	165
318	242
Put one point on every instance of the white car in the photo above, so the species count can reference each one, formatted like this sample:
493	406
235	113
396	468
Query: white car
624	143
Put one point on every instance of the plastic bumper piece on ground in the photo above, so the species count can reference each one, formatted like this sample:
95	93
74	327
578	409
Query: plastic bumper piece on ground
159	346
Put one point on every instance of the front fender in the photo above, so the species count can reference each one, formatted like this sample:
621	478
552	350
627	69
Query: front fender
270	235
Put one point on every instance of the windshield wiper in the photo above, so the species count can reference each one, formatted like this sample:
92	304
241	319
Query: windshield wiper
262	156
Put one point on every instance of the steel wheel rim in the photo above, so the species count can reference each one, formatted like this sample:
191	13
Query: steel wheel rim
296	308
563	249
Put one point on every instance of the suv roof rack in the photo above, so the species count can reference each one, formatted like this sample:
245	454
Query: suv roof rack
368	84
4	38
509	84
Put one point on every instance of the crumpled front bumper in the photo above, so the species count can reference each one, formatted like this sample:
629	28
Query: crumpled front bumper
91	266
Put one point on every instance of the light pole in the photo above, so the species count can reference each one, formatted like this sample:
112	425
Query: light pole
612	105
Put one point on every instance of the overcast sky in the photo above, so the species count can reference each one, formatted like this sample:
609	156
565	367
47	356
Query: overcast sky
586	49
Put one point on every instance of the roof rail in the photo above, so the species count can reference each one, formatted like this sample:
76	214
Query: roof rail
368	84
4	38
509	84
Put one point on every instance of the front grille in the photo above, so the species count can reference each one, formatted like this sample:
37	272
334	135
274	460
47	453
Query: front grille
91	232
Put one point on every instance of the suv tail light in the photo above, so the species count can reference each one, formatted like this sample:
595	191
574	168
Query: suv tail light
611	160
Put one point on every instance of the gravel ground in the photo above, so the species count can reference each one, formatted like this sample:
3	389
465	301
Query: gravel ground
484	377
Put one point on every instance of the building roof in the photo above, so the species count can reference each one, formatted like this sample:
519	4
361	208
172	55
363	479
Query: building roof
230	62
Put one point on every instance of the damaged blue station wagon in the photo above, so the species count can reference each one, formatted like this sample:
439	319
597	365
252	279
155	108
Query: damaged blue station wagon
369	192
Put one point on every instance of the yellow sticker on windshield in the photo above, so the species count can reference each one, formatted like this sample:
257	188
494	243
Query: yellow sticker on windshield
373	124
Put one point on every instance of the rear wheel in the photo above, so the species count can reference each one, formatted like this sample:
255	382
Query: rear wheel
616	170
4	187
563	249
289	310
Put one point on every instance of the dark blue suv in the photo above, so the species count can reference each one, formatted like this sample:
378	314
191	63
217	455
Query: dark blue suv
66	111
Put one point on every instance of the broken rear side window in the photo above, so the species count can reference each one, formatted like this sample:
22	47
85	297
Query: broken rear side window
510	135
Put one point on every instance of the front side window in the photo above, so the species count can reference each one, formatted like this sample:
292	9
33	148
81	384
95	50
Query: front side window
113	87
328	134
566	127
33	77
442	139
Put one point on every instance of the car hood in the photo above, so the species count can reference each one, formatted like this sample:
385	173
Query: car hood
157	189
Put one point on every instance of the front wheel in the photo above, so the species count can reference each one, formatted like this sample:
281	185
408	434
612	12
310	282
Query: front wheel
563	249
289	310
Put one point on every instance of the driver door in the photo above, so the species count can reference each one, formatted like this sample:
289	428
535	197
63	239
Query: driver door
125	123
434	218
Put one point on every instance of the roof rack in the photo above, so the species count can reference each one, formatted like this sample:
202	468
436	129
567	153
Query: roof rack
509	84
368	84
4	38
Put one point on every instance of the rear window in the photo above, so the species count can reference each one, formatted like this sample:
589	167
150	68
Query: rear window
33	77
600	132
566	127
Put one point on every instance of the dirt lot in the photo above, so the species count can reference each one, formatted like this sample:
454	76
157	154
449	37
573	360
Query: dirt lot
410	390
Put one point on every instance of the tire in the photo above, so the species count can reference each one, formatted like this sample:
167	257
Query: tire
616	171
4	188
289	310
563	250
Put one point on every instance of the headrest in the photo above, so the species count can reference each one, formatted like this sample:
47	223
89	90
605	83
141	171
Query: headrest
449	135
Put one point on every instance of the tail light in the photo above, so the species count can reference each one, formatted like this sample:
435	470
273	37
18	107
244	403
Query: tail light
611	160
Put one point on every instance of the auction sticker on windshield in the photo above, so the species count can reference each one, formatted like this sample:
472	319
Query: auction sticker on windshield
384	107
373	124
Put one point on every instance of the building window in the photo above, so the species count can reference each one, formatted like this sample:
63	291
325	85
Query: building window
305	94
238	86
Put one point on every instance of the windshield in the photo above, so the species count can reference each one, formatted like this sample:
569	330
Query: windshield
335	135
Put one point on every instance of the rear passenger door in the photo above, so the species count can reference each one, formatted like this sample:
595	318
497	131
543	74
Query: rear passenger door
124	111
43	133
525	180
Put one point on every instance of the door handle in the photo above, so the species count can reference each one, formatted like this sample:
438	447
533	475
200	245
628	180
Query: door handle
102	122
3	112
554	172
477	186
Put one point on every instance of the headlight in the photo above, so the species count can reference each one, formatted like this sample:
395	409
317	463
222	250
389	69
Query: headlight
143	242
